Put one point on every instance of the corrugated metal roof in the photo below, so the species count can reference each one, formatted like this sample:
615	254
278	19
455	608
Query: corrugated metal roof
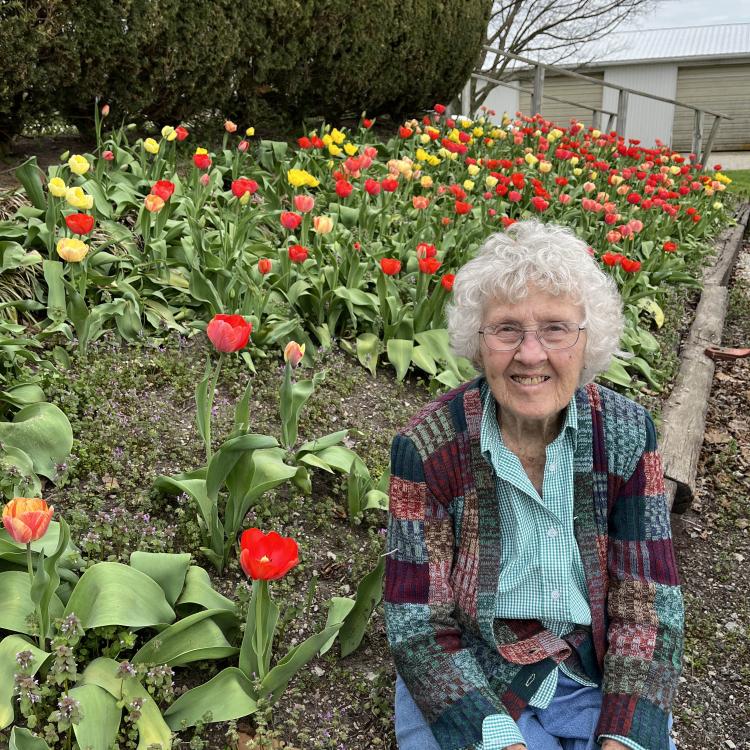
684	43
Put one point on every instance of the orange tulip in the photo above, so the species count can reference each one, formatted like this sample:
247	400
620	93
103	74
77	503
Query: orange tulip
26	519
153	203
293	353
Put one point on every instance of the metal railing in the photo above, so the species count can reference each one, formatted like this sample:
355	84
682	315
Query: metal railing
615	120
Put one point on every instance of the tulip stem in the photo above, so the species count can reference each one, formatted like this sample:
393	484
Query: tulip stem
210	403
260	629
30	566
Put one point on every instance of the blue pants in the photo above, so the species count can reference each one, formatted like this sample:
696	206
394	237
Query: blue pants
568	723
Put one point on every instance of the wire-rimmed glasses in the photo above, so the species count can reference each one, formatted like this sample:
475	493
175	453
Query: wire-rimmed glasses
505	337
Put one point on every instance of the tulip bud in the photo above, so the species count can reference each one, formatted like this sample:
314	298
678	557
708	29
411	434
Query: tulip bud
242	146
64	156
205	179
108	155
105	110
293	353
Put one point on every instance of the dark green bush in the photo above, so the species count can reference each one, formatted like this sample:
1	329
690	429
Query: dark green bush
330	57
251	60
28	78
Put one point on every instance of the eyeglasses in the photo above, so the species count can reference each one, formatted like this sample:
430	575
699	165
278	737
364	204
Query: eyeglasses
506	337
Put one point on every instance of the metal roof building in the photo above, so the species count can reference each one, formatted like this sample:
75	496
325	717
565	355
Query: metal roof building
707	66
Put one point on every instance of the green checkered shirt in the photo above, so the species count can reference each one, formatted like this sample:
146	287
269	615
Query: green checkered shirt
542	571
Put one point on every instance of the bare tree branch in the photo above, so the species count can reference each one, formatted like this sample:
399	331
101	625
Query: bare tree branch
550	30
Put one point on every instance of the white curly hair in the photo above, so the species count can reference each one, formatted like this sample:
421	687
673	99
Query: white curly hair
550	258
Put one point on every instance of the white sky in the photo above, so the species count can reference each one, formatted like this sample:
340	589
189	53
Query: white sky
672	13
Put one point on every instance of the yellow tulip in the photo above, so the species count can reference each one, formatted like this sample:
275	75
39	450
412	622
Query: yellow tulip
72	250
151	146
718	205
327	139
674	169
530	159
338	136
490	181
595	134
453	136
426	182
593	175
616	179
350	149
300	177
250	132
78	199
422	155
433	160
57	187
577	171
333	149
468	185
574	160
466	123
78	164
473	170
478	132
168	132
545	166
424	139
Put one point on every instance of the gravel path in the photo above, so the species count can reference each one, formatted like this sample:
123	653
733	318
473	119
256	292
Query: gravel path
713	548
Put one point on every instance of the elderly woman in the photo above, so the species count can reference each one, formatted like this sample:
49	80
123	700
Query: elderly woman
532	597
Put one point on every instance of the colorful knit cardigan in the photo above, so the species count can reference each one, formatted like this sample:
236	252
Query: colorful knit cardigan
461	663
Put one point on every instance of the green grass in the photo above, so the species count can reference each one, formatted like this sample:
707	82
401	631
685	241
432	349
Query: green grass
740	181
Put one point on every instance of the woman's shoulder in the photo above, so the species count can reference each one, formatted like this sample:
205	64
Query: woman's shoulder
448	412
614	406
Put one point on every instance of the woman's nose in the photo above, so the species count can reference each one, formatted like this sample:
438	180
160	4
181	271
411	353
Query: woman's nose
530	349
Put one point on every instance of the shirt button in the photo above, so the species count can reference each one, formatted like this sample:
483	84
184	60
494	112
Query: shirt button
552	532
553	466
555	595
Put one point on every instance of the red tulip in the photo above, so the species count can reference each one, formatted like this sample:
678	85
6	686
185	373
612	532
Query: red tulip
182	133
243	146
439	108
26	519
264	266
539	204
229	333
462	207
390	266
447	281
267	557
405	132
290	220
669	247
202	161
298	253
389	184
611	259
242	185
163	188
108	155
344	188
507	221
80	223
631	266
425	250
304	142
429	265
367	124
372	186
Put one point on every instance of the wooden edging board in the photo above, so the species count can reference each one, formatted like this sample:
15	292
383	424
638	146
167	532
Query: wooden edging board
684	415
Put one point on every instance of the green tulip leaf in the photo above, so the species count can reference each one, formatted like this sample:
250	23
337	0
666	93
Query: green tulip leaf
110	593
194	638
399	353
617	374
9	647
368	349
16	604
422	358
338	608
100	717
369	593
23	739
43	432
167	569
30	176
227	696
153	732
198	592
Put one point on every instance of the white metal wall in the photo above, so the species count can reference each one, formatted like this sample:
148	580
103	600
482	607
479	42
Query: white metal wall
584	92
503	99
647	119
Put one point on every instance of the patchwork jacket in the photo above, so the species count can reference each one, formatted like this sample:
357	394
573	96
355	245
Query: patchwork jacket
461	663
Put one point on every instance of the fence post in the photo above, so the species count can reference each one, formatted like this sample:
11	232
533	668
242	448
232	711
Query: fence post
710	141
597	120
697	132
466	99
622	112
536	97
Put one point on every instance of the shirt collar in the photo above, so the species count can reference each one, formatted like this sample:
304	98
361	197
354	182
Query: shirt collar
489	432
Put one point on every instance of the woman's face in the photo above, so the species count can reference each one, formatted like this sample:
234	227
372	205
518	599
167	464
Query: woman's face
531	383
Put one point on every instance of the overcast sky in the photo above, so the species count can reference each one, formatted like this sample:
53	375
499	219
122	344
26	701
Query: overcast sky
671	13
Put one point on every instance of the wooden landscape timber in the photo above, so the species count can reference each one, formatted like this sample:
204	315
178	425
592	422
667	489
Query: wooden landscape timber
684	414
